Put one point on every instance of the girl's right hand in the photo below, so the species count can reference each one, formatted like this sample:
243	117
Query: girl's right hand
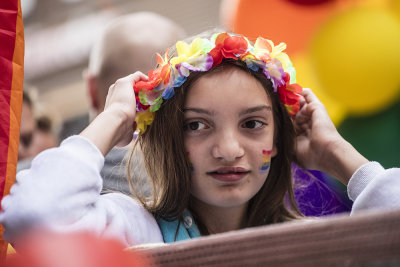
116	124
121	100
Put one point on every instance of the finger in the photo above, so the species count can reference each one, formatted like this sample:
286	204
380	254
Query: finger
138	76
133	78
303	115
309	96
301	121
302	101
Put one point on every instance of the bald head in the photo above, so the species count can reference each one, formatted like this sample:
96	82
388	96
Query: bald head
129	44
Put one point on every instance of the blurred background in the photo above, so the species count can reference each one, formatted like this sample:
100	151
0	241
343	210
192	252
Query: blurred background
347	51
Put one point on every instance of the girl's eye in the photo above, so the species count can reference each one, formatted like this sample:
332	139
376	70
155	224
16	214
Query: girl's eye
253	124
194	126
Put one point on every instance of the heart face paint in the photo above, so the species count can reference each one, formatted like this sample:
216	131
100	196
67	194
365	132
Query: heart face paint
266	161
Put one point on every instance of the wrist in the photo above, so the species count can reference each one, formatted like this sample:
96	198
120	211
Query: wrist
108	129
120	123
342	160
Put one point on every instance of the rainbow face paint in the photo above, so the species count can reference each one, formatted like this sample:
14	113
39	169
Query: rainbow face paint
266	161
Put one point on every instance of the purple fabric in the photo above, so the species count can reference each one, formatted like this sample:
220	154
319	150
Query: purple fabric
318	194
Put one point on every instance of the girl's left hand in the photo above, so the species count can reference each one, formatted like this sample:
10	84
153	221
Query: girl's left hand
319	144
316	133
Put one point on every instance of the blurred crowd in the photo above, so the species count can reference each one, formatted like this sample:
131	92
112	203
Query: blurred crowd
127	44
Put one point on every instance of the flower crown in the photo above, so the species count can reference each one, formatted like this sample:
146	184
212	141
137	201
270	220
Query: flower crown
201	55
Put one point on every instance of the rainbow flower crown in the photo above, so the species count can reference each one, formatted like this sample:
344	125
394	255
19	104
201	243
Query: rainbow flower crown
201	55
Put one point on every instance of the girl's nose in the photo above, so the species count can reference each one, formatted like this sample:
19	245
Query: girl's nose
227	146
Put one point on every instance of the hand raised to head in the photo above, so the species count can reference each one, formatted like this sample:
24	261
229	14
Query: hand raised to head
122	102
315	131
319	144
116	124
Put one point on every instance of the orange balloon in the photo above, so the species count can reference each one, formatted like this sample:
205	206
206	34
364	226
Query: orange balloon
280	21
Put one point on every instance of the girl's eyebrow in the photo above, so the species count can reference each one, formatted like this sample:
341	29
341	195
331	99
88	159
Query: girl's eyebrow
244	112
198	110
255	109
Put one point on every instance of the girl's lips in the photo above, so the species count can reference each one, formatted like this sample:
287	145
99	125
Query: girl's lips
229	174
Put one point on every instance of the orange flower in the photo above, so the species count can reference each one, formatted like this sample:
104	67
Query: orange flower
153	81
162	73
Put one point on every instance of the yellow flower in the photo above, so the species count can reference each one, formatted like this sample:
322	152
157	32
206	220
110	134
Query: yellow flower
263	49
266	50
143	119
287	66
187	52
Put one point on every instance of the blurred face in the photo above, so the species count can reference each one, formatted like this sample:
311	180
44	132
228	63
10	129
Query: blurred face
26	131
32	140
229	137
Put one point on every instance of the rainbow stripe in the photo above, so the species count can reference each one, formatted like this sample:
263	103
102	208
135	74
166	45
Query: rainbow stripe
11	87
266	161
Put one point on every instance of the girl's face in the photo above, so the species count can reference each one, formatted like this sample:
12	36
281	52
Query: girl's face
229	137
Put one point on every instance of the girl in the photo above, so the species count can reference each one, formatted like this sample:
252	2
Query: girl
218	142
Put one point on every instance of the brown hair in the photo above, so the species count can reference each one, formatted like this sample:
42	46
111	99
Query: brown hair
168	165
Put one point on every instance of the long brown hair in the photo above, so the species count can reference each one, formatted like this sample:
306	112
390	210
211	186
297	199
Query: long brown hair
168	165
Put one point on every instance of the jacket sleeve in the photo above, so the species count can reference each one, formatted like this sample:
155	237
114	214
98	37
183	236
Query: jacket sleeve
61	192
373	187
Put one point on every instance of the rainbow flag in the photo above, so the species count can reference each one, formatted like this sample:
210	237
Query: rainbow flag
11	87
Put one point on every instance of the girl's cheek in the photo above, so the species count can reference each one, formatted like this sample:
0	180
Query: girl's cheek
265	161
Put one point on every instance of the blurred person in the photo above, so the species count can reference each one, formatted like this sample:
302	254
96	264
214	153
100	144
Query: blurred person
27	127
127	44
36	135
44	137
